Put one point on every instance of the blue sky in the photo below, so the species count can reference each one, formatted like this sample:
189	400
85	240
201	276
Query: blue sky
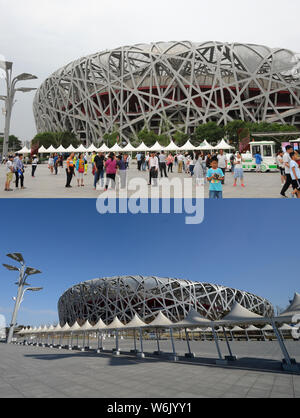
247	244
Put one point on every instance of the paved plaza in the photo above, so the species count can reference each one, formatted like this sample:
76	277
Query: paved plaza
45	185
27	371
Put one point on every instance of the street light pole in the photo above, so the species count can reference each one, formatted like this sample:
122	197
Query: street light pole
9	98
24	272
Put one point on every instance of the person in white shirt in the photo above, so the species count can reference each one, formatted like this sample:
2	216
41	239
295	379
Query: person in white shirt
153	169
280	163
222	163
295	174
9	173
34	165
286	161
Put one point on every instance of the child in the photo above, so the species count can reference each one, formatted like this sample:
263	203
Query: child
215	177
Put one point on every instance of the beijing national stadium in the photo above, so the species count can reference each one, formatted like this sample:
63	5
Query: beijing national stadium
124	296
169	86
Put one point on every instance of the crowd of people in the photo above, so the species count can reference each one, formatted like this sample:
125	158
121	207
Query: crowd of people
204	166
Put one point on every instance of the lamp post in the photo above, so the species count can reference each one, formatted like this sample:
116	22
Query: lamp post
10	95
24	272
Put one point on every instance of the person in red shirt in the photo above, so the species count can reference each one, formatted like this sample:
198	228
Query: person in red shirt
70	169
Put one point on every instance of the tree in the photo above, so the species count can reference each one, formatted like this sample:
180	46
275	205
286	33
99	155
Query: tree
56	139
110	139
211	131
14	144
148	137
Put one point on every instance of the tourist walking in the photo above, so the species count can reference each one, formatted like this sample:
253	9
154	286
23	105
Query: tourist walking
111	169
198	170
215	176
70	169
192	164
163	164
153	169
170	162
238	170
34	164
51	163
286	161
280	164
80	170
258	161
20	173
99	169
122	171
9	173
180	162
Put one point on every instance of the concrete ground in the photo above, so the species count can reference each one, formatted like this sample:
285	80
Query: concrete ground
45	185
27	371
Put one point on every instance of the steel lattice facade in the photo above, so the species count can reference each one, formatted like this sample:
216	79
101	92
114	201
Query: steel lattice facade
166	86
123	297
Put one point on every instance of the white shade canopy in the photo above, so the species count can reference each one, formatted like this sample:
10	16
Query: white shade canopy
116	324
295	140
57	328
103	148
86	326
50	329
267	327
42	150
136	322
75	327
65	328
160	321
157	147
240	314
188	147
61	149
71	149
252	328
205	146
223	145
172	147
81	148
91	148
129	148
285	327
24	150
193	319
100	325
116	148
51	150
294	307
143	148
237	329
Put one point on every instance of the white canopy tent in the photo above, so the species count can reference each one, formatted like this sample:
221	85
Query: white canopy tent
188	147
91	148
136	322
142	148
223	145
71	149
51	150
205	146
61	149
42	150
193	319
172	147
129	148
103	148
24	150
116	148
161	321
157	147
81	148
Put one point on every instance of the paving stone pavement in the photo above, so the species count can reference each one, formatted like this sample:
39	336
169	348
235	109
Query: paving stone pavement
35	372
46	185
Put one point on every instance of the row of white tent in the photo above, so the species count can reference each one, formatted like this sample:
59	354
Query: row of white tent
238	316
205	146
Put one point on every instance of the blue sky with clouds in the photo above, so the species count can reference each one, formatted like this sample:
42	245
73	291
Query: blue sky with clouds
247	244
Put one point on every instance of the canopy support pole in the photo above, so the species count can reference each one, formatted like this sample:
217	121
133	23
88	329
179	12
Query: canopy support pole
288	363
174	355
117	351
220	360
189	354
158	352
231	357
141	354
